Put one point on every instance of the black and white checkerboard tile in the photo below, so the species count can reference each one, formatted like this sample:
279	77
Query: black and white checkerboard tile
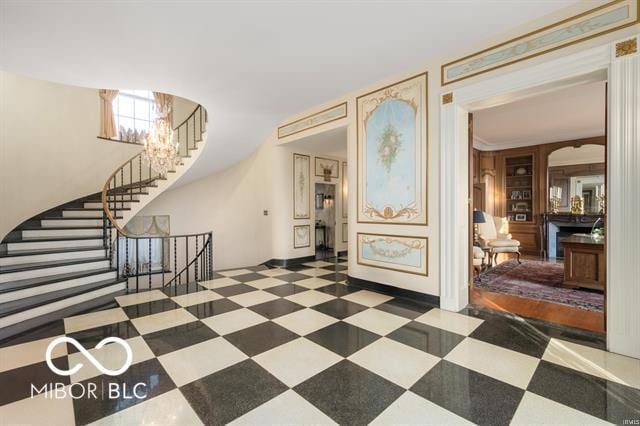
299	346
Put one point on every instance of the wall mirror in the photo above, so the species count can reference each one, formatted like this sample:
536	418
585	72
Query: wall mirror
577	172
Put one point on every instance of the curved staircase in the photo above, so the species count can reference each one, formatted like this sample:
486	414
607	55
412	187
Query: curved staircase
64	261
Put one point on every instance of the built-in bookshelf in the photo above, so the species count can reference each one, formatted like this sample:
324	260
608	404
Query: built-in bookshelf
519	179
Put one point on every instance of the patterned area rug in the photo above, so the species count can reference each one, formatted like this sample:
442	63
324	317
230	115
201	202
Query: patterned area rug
537	280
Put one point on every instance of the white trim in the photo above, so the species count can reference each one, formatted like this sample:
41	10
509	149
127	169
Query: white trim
623	202
584	66
483	145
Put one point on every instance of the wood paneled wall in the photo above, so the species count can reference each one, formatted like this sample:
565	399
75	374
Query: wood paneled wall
489	167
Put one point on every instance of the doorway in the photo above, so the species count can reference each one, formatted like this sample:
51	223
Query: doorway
622	155
546	190
325	225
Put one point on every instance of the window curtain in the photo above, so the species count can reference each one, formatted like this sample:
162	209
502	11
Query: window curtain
164	103
107	121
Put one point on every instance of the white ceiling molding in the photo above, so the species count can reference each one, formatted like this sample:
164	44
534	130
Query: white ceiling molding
482	145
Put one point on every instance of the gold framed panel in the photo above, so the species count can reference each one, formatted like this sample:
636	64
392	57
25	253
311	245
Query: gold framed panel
336	168
345	191
345	230
408	245
301	185
319	118
601	20
417	213
299	232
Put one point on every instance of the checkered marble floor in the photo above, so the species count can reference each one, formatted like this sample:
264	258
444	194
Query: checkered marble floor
299	346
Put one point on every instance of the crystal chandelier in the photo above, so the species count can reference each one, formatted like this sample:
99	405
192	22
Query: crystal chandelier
159	150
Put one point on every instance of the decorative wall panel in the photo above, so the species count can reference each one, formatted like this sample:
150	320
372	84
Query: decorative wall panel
609	17
301	175
323	117
301	236
394	252
323	164
392	153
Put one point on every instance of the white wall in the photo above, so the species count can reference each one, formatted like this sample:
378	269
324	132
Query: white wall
49	153
230	204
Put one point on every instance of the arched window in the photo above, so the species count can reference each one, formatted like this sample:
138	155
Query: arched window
135	110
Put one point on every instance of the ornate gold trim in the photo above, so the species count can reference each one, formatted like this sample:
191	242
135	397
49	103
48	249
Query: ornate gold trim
310	116
545	28
447	98
426	248
345	240
626	47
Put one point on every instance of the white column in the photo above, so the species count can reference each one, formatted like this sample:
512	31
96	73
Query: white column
454	202
623	199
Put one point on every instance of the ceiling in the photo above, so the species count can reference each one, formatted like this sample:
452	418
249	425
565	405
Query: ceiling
570	113
332	143
251	64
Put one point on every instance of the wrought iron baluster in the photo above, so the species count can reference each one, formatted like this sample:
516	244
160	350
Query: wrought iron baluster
140	174
149	262
117	249
175	261
126	268
162	253
196	261
200	111
211	252
137	263
186	258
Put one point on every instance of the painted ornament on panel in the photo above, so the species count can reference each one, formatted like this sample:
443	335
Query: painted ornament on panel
391	151
301	172
404	254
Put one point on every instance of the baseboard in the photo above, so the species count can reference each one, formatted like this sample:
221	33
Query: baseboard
394	291
287	262
343	253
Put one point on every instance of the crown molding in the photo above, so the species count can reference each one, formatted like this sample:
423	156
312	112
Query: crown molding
483	145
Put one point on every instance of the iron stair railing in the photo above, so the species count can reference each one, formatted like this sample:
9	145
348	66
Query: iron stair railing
129	181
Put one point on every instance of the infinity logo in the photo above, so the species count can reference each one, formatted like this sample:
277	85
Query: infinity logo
74	342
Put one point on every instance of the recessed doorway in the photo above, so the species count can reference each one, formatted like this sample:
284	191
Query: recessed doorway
538	167
325	225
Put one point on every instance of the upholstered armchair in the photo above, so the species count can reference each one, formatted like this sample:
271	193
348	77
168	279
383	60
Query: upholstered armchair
494	235
478	260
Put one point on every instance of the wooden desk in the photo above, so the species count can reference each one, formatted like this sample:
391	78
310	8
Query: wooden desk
584	262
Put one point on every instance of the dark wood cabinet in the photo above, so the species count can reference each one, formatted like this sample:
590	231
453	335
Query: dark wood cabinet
584	263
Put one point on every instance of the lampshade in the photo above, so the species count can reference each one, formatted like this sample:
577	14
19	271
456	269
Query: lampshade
478	216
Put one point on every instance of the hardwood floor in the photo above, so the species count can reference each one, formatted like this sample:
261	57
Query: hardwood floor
539	309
